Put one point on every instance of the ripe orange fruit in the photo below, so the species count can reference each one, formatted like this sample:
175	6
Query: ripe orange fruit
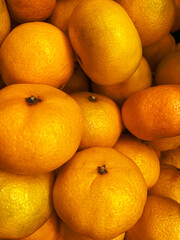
68	234
171	157
168	69
168	184
153	19
25	203
165	144
101	34
78	81
5	21
153	113
102	120
31	10
49	230
176	24
160	220
141	79
36	52
143	155
110	196
62	12
40	128
156	51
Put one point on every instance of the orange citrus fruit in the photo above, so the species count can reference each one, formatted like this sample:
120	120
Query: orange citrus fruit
5	21
156	51
25	203
141	79
153	19
102	34
36	52
62	12
49	230
168	69
40	128
78	81
160	220
110	196
102	120
171	157
31	10
68	234
153	113
165	144
143	155
168	183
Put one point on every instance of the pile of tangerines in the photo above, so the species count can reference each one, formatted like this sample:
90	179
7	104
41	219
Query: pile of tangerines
89	120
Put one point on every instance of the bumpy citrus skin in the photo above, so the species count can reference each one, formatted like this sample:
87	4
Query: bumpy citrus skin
37	135
168	69
108	200
153	113
106	42
102	120
143	155
49	230
160	220
31	10
168	183
140	79
25	203
36	52
152	18
5	21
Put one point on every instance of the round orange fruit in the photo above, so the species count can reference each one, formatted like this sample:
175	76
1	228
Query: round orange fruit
140	79
171	157
25	203
153	113
36	52
102	120
160	220
49	230
153	19
99	193
31	10
105	41
165	144
5	21
143	155
62	12
40	128
168	69
156	51
168	183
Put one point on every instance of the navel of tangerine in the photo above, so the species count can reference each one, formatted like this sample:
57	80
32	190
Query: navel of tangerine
32	100
102	170
92	98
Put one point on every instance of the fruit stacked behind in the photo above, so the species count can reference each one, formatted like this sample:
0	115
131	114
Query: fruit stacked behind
90	120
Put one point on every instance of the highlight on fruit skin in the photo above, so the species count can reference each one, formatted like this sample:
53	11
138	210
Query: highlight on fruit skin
105	41
25	203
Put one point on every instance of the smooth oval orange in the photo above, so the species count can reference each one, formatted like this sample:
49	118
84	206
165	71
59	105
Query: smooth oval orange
153	113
